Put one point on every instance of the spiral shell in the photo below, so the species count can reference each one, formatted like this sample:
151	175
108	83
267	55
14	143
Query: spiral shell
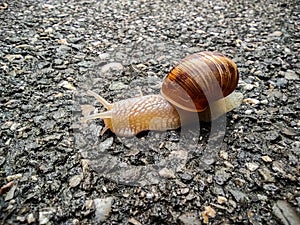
200	79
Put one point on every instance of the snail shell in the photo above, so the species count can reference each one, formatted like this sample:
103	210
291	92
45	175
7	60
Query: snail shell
199	79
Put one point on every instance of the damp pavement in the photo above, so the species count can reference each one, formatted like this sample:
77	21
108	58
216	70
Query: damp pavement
241	169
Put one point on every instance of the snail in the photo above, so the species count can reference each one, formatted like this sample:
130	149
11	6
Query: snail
201	83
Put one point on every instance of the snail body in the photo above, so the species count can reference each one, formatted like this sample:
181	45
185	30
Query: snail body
198	83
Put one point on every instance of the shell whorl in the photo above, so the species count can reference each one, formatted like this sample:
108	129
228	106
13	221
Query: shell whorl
199	79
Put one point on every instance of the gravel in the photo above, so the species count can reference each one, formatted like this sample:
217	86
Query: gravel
54	170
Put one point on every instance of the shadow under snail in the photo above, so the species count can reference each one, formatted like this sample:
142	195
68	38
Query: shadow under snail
202	83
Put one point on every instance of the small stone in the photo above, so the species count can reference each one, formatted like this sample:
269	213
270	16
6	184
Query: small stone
184	191
270	187
239	196
290	75
262	197
289	132
30	218
14	126
62	41
186	177
272	135
102	208
278	167
208	212
286	213
228	164
221	200
89	204
134	221
111	66
21	218
221	176
264	102
281	82
252	166
251	101
13	57
266	158
75	222
14	177
67	85
117	86
248	111
276	33
266	173
103	55
224	155
45	215
189	219
166	173
149	195
10	194
75	180
106	144
248	87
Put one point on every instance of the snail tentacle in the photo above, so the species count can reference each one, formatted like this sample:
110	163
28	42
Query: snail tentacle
105	103
102	115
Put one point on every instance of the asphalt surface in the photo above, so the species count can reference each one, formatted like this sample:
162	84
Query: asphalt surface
241	169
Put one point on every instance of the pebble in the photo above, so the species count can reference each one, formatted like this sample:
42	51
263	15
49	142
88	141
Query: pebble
266	158
104	55
10	194
102	208
290	75
252	101
134	221
21	218
276	33
189	219
278	167
103	146
272	135
252	166
14	177
75	180
239	196
13	57
45	215
248	111
186	177
166	173
221	200
112	66
286	213
270	187
30	218
264	101
281	82
248	87
208	212
117	86
221	176
67	85
224	155
266	174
